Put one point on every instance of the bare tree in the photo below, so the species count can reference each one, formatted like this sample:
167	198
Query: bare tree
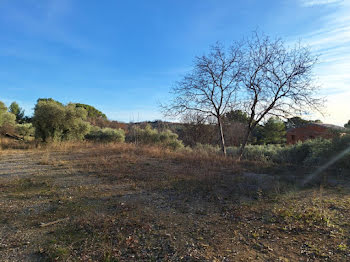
262	75
276	81
210	87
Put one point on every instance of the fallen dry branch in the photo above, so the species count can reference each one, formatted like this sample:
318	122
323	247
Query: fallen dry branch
53	222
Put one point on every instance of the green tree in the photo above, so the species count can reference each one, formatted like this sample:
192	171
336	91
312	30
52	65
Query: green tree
7	119
237	116
75	126
3	107
257	135
54	121
92	112
273	132
17	111
297	121
49	100
48	119
294	122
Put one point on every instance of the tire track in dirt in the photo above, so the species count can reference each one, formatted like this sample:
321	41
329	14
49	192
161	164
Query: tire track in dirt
18	165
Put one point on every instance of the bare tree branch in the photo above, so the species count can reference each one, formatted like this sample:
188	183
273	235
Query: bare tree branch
277	80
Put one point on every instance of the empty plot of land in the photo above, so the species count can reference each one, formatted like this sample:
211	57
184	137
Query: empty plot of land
123	203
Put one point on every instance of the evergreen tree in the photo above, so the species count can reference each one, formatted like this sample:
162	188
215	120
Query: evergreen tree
273	132
17	111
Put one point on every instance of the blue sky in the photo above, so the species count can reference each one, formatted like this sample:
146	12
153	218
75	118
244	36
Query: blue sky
123	56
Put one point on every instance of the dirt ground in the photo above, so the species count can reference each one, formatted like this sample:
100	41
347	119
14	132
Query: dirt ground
123	203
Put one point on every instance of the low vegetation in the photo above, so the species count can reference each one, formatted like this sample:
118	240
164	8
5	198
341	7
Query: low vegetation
105	135
149	136
313	152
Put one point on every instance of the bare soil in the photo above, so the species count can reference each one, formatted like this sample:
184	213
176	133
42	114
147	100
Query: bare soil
123	203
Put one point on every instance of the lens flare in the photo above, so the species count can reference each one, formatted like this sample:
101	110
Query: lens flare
326	165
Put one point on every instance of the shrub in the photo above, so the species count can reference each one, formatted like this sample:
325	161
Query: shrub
262	153
149	136
206	149
106	135
322	151
309	153
25	130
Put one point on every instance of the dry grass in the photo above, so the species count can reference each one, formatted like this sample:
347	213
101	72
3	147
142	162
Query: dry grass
119	202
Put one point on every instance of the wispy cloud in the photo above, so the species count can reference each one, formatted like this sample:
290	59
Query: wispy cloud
319	2
332	43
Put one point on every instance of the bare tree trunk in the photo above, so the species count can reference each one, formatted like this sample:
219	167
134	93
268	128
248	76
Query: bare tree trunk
222	138
242	147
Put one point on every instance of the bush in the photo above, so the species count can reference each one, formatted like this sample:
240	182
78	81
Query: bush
310	153
206	149
322	151
342	144
106	135
261	153
25	130
149	136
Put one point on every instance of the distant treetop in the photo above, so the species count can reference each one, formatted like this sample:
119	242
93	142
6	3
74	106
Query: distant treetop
237	116
3	107
297	121
92	111
18	112
49	100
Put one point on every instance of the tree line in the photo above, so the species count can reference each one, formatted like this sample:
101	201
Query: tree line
53	121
